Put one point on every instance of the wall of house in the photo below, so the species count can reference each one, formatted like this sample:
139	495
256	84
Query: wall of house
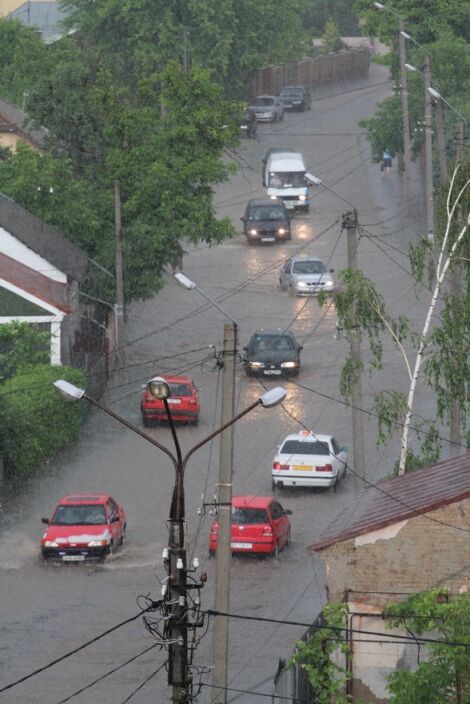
421	554
8	140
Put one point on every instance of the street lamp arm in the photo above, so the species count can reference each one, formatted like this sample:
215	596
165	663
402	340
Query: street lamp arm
233	420
133	427
318	182
188	284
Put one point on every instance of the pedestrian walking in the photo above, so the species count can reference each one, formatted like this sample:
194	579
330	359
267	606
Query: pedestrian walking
386	162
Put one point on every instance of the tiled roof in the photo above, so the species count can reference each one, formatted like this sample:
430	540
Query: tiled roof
393	500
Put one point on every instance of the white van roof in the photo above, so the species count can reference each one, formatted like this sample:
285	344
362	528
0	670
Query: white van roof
286	161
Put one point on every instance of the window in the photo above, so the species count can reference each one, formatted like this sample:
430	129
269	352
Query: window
301	447
273	342
180	389
309	267
335	446
79	515
276	511
247	515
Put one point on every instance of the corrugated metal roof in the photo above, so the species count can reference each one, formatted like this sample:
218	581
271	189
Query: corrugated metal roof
390	501
42	239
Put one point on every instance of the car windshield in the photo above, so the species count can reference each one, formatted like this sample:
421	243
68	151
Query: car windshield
308	267
180	389
272	342
299	447
267	213
248	515
79	515
287	179
263	101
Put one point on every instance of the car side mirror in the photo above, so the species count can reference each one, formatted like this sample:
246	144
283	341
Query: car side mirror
343	449
332	271
114	519
245	349
300	347
45	520
288	512
143	387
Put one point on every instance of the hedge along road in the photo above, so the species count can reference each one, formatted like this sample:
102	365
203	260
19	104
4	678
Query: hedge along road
47	610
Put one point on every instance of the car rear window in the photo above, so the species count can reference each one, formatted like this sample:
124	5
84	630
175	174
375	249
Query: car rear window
249	515
180	389
264	101
308	268
299	447
79	515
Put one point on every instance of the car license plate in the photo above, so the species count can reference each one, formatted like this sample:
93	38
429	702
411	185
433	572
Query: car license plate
268	239
303	467
242	546
73	558
174	400
272	371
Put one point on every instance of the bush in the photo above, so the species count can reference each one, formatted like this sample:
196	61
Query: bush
35	422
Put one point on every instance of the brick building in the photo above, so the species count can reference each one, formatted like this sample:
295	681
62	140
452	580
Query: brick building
405	535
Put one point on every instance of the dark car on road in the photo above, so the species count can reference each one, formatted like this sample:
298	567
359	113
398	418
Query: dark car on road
295	98
272	353
266	220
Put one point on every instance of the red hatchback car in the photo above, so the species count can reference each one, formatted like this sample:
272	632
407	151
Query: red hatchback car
259	525
83	527
183	402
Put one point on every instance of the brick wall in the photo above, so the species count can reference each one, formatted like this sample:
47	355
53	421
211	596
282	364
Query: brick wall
423	554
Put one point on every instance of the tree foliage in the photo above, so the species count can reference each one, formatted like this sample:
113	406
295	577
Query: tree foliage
326	673
21	344
34	421
443	676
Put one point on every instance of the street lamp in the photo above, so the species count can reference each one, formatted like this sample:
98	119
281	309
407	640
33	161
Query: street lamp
404	99
178	671
224	551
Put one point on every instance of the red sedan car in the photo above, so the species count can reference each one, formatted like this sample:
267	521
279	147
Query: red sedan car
259	525
183	402
83	527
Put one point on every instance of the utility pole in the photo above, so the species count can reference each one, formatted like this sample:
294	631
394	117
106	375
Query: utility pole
428	149
405	113
185	51
441	142
454	284
356	359
119	325
224	551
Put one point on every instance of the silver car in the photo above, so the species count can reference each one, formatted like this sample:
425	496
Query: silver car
304	276
267	108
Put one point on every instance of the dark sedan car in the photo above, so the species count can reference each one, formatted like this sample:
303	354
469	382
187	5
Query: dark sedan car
266	220
295	98
272	353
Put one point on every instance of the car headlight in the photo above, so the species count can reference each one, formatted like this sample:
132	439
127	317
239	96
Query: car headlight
289	365
302	197
253	231
301	284
258	365
329	283
98	543
273	197
282	231
50	544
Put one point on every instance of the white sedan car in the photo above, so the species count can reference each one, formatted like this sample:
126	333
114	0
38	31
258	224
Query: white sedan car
308	459
306	276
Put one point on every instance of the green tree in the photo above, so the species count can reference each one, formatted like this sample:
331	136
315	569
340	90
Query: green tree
326	676
443	676
21	344
331	38
23	57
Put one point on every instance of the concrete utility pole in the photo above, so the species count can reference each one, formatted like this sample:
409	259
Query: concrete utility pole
224	551
428	149
356	358
454	284
405	114
441	142
119	332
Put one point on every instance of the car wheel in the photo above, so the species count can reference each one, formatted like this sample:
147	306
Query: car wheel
276	550
291	291
287	543
211	553
145	421
123	536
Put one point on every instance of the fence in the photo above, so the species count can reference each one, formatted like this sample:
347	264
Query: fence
328	68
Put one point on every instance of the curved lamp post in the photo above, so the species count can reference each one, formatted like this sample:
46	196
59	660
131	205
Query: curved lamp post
178	675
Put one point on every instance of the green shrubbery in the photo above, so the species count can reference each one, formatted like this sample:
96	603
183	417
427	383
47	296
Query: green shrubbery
34	421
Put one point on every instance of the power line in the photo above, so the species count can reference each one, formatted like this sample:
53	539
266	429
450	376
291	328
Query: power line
338	629
142	685
75	650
